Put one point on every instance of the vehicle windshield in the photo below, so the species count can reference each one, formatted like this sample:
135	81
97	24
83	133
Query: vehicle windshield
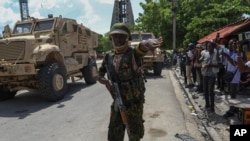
146	36
22	28
44	25
135	37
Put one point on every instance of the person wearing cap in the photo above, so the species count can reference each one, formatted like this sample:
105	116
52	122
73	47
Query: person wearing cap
124	63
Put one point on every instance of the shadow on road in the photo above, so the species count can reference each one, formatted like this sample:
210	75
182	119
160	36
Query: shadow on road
150	75
25	103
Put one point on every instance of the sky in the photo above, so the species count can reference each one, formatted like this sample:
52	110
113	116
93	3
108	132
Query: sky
94	14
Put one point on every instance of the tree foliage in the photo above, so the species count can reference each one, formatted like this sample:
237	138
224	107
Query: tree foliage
104	43
156	18
194	18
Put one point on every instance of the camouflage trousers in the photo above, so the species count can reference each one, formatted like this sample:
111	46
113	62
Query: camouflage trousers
135	120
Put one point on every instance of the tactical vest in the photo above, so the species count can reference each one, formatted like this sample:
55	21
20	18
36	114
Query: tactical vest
131	83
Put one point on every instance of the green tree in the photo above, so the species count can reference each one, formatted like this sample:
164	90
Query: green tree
155	18
213	15
104	43
195	18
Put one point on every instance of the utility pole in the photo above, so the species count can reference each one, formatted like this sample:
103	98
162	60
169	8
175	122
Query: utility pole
24	10
174	10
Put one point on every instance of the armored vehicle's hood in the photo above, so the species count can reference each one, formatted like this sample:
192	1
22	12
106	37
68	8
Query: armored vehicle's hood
25	37
18	38
16	47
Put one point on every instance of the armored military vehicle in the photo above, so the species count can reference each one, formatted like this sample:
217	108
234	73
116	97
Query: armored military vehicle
152	60
42	54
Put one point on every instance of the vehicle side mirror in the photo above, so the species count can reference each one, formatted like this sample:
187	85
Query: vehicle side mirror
7	31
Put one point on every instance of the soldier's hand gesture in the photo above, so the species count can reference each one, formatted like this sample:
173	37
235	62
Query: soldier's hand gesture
152	44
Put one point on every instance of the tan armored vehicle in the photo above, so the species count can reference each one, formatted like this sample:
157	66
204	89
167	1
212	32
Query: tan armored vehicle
152	60
41	54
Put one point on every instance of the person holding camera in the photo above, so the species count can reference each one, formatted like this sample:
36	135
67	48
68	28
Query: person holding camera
231	67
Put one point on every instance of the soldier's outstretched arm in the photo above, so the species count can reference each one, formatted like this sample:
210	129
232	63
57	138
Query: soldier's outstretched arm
148	45
151	44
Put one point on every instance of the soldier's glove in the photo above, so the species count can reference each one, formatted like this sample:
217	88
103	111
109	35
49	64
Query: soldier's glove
151	44
106	82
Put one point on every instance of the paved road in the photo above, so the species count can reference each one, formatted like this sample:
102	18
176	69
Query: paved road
84	114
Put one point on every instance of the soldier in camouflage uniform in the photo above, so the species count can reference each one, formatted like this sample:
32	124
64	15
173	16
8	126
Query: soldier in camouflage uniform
126	64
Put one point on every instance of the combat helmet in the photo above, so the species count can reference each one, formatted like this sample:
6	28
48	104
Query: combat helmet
120	28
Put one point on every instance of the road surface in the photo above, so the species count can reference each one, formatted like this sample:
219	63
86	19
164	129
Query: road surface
83	115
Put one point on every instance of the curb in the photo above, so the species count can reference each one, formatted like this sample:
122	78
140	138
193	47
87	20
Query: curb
213	135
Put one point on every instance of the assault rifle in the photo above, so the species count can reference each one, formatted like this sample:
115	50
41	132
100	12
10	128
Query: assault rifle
121	106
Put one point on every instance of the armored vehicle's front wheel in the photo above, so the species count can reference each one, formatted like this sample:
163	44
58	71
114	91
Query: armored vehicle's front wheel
158	68
6	94
89	72
52	81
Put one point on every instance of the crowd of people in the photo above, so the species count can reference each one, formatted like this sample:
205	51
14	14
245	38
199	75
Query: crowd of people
220	64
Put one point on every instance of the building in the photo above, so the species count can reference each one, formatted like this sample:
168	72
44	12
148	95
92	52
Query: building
229	31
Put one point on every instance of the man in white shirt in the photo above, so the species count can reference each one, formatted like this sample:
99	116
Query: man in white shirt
231	66
210	68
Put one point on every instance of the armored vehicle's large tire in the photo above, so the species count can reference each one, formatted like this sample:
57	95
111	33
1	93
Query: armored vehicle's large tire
158	68
5	94
89	72
52	81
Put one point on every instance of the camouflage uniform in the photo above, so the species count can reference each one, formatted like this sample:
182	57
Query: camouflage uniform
127	68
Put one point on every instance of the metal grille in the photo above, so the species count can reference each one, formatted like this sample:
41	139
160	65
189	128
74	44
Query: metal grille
12	51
